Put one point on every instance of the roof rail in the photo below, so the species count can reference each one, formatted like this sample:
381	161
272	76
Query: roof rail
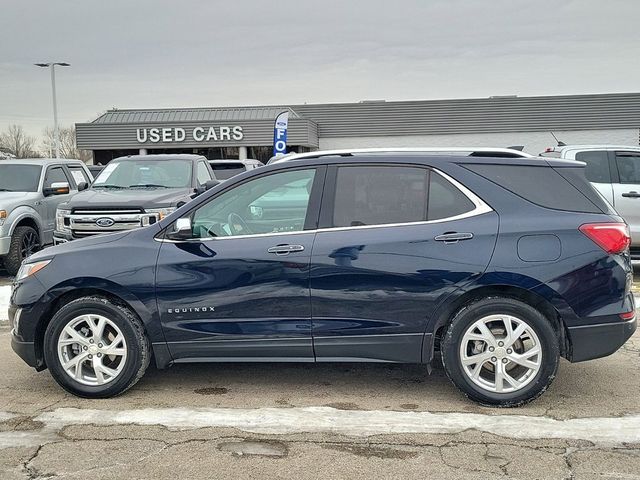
468	151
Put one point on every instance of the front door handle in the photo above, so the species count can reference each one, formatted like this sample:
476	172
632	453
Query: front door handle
453	237
631	195
285	249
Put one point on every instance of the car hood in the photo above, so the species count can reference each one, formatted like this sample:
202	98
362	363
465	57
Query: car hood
11	199
143	198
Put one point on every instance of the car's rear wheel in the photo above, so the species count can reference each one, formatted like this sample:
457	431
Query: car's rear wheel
500	351
24	242
95	348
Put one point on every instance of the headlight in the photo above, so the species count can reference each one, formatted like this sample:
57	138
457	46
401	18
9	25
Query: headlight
60	214
161	212
28	269
3	215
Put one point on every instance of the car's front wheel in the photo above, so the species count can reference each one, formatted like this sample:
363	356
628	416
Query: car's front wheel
500	351
24	242
95	348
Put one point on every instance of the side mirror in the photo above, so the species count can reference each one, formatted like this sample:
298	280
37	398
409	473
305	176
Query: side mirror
82	186
209	184
56	188
181	229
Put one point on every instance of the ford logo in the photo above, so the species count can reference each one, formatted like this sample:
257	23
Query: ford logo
105	222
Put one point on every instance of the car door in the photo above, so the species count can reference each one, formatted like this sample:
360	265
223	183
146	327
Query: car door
238	287
393	242
626	192
49	204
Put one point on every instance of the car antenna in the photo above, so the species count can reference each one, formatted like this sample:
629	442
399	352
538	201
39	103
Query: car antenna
560	144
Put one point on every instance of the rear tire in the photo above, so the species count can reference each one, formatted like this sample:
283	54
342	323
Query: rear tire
95	348
24	242
500	352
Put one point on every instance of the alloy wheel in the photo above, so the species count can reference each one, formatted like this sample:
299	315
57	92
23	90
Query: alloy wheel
29	244
500	353
92	350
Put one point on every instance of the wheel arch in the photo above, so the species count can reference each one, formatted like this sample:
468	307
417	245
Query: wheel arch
27	217
83	287
448	309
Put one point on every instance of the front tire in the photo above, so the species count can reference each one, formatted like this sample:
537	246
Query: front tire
24	242
500	352
95	348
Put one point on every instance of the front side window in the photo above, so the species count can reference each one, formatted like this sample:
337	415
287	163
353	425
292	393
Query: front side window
203	173
372	195
145	174
55	175
19	178
274	203
597	170
628	167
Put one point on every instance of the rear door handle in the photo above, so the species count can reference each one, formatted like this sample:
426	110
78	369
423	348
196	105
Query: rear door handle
285	249
453	237
631	195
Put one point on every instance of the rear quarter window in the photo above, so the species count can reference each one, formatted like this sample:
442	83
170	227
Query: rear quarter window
541	185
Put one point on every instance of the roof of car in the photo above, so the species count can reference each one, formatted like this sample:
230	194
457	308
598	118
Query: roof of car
164	156
230	160
40	161
561	148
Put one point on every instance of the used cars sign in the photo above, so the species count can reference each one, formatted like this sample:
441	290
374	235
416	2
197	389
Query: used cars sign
179	134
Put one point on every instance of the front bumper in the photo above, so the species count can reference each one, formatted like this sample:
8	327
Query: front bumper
5	244
26	351
596	341
61	237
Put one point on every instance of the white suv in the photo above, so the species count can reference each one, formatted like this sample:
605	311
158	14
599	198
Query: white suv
615	171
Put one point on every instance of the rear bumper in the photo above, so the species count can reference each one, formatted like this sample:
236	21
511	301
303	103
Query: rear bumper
596	341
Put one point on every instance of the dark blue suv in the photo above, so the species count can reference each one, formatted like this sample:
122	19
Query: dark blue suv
500	265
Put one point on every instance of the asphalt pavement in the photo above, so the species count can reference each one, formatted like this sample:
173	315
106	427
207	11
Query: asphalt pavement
319	421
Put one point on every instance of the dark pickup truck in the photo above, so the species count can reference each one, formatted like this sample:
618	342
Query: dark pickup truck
132	192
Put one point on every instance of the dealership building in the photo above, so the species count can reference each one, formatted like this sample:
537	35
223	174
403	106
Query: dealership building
247	132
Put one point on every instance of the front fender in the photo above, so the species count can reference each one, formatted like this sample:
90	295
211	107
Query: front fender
20	213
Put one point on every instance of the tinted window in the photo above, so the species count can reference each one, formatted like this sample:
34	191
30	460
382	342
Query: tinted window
597	166
445	200
203	173
540	185
224	171
19	178
55	175
380	195
79	175
269	204
628	167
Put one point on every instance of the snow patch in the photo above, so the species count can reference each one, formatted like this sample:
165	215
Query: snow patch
613	430
5	295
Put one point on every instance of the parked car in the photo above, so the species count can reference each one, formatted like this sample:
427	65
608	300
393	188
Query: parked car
30	191
225	169
132	192
501	265
615	171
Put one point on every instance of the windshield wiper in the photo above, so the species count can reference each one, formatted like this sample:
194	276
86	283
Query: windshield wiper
148	185
107	186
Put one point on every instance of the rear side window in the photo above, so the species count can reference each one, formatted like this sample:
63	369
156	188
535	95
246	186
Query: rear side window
224	171
380	195
543	186
79	175
597	170
628	167
445	200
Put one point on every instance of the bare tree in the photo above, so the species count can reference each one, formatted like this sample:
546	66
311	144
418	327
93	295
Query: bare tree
68	147
15	141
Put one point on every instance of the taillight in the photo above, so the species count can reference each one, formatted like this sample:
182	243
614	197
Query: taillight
611	237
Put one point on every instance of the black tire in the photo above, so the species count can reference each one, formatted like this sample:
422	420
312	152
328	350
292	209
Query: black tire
541	326
137	346
17	254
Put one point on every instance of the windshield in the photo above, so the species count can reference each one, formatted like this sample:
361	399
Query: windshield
224	171
145	174
19	178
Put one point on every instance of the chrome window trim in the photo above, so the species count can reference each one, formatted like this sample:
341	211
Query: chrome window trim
480	208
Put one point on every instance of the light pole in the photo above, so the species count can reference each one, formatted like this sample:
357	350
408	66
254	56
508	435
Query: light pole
56	133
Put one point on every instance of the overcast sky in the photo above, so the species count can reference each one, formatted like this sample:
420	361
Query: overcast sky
155	53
